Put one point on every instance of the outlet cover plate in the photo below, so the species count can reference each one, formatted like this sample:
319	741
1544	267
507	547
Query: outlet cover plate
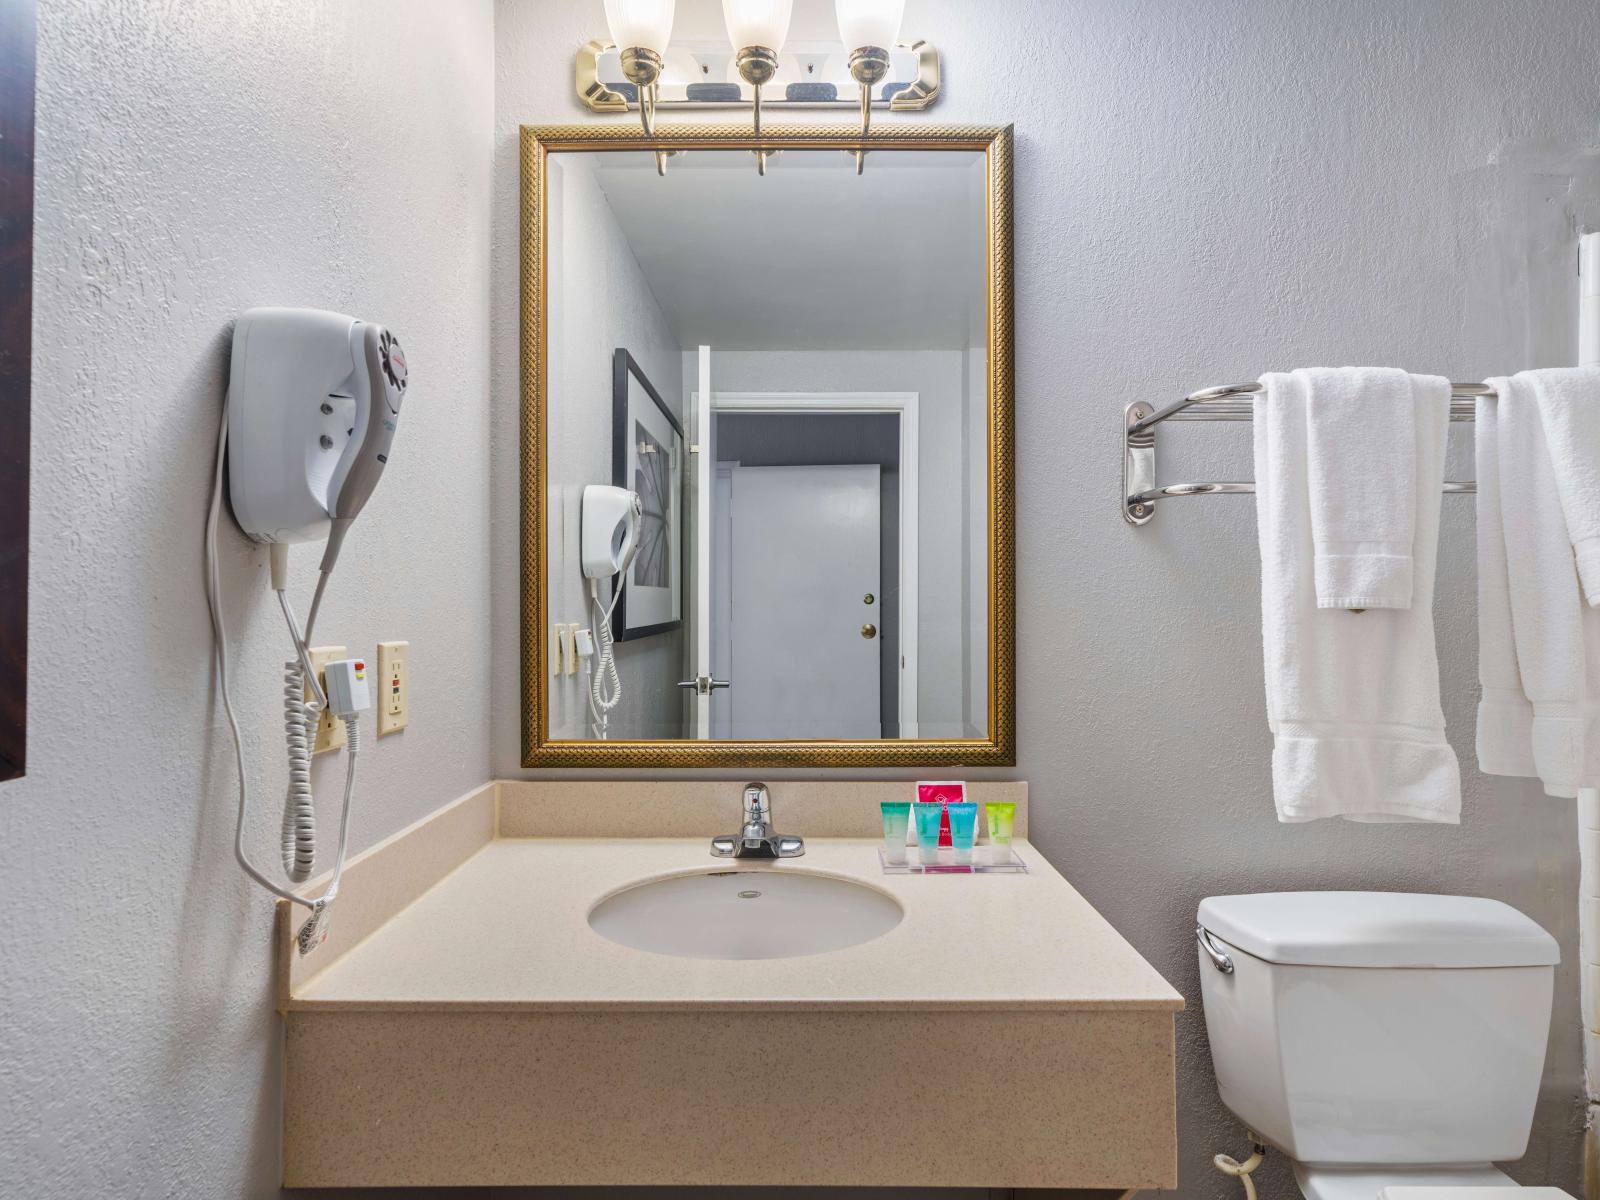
394	686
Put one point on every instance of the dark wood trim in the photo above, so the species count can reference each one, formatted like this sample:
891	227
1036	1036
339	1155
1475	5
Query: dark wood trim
17	26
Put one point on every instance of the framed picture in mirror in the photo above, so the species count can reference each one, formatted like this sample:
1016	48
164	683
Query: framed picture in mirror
647	459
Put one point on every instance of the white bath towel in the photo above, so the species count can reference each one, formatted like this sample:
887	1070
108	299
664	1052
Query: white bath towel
1550	654
1352	698
1505	715
1569	404
1361	466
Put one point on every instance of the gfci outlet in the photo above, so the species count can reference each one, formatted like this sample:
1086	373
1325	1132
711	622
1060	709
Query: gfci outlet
330	732
394	686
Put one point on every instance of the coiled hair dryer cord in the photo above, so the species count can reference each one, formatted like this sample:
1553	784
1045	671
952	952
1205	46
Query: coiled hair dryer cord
299	833
605	684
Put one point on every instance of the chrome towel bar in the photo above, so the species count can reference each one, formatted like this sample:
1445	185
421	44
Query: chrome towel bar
1230	402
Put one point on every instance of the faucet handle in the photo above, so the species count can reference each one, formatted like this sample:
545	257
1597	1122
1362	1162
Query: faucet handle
757	801
756	838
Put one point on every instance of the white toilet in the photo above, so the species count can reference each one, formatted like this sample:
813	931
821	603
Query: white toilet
1384	1041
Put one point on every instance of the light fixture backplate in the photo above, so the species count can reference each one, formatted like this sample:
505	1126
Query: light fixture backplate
911	86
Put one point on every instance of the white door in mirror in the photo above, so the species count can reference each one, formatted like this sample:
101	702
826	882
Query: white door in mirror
802	641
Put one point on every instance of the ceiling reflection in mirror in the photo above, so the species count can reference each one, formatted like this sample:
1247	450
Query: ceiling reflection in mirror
790	375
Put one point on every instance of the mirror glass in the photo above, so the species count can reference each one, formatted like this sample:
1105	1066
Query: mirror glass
790	373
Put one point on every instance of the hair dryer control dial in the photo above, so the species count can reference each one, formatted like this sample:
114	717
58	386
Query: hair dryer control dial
393	361
381	387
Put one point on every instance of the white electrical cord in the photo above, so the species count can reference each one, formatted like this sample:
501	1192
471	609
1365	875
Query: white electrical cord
605	685
315	928
1242	1171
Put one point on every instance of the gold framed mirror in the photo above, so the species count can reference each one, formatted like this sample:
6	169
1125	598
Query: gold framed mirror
767	423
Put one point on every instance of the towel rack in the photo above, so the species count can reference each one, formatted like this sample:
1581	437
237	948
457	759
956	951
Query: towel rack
1229	402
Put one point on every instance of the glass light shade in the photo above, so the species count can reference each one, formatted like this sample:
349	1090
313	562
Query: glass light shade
645	23
757	22
869	22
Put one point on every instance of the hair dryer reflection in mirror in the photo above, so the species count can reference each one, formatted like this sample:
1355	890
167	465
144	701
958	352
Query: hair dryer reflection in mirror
609	524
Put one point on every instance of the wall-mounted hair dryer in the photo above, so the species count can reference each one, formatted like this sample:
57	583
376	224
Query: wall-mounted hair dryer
608	532
608	528
313	402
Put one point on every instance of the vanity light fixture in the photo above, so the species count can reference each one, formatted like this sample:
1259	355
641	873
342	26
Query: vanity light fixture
869	28
757	29
641	30
632	67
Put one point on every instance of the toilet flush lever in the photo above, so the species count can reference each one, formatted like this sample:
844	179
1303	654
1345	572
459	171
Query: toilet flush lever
1219	960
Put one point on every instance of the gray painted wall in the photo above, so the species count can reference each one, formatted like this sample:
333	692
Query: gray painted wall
195	160
1204	191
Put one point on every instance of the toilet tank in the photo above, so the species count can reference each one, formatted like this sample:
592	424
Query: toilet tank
1377	1027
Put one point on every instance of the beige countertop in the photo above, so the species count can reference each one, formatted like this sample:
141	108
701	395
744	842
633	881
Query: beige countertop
508	929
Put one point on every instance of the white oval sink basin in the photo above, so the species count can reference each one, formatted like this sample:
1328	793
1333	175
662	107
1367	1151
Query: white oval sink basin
745	914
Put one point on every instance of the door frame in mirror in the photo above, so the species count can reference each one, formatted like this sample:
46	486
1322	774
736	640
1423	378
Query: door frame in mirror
998	747
903	406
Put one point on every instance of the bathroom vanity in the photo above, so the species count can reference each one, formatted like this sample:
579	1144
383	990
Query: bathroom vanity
808	562
466	1024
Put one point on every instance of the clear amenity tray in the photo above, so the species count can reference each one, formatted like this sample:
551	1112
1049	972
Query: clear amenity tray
947	864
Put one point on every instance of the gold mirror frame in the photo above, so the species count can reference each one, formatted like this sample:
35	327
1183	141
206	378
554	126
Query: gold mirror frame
538	748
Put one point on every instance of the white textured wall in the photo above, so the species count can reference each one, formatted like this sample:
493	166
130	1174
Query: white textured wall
1203	191
194	160
599	302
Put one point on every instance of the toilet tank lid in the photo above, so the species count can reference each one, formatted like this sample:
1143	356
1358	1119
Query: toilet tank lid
1378	929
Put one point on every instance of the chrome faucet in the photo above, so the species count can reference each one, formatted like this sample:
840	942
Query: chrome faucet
757	839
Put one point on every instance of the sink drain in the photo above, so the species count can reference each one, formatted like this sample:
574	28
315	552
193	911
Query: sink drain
749	895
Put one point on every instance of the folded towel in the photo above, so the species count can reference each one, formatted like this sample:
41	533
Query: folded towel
1554	635
1362	469
1352	698
1569	404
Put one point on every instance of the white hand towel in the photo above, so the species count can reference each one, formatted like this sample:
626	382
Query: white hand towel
1556	637
1362	471
1569	404
1352	698
1505	716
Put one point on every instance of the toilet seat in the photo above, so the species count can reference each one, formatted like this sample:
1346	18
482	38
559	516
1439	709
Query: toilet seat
1492	1192
1391	1181
1416	1183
